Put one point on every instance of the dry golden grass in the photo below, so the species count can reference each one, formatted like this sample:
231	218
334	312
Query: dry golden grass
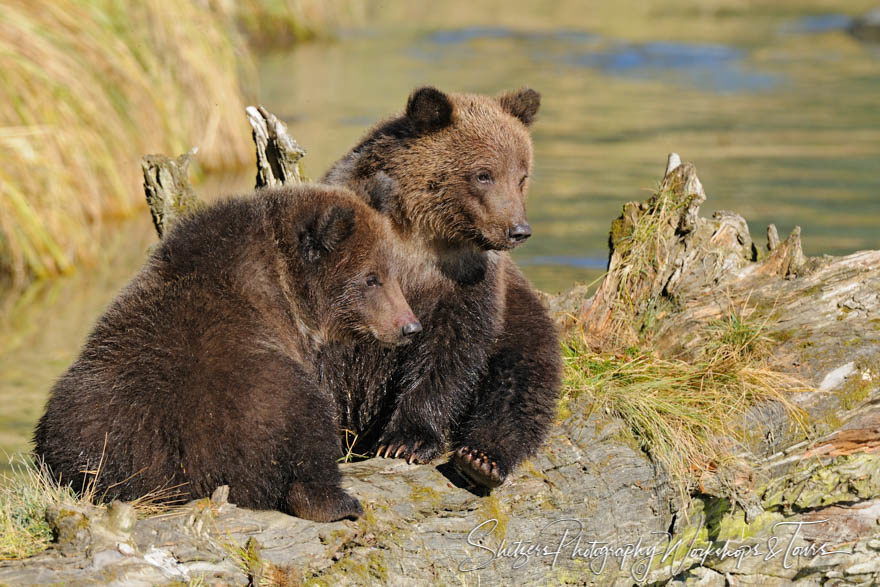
690	416
273	23
87	88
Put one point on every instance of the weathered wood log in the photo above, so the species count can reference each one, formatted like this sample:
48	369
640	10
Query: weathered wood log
417	525
822	313
659	247
591	481
170	195
278	155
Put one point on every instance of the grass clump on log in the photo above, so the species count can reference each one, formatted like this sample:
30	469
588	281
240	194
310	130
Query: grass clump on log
25	498
86	88
640	241
30	493
692	416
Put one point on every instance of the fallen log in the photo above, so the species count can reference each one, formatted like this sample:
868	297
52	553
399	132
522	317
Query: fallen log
592	506
822	314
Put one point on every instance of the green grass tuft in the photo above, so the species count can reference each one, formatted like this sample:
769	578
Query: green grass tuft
27	493
24	498
738	338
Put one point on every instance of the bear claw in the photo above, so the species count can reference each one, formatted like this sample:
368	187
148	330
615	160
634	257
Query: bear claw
402	451
479	467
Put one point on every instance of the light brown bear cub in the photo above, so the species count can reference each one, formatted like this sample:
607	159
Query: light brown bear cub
451	172
203	371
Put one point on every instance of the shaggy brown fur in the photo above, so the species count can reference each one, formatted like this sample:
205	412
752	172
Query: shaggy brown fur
483	377
202	372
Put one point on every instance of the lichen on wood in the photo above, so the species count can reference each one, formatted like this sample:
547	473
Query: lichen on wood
170	195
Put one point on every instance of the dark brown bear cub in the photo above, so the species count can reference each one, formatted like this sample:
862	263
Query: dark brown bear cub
202	372
482	378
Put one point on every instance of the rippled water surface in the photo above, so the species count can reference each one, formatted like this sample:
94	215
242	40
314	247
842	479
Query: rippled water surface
776	106
779	112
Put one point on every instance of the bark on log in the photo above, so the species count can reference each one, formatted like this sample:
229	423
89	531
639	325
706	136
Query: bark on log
590	481
278	155
170	195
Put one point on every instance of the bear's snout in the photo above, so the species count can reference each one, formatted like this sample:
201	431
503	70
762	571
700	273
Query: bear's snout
518	233
392	321
408	326
411	328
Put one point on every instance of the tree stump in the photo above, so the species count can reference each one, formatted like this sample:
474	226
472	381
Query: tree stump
170	195
278	155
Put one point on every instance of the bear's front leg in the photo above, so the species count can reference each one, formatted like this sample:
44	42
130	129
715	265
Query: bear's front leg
311	449
515	403
410	437
436	374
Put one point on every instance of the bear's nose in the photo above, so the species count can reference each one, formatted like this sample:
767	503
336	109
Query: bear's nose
519	232
411	328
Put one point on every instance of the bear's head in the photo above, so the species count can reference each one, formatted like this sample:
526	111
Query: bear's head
463	165
343	270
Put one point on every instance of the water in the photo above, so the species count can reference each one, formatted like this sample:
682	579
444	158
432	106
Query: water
776	106
777	110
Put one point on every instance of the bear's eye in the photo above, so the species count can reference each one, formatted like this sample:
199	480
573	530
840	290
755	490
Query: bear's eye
373	280
484	177
522	182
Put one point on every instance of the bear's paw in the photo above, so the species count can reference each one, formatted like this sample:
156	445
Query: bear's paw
479	467
322	502
422	450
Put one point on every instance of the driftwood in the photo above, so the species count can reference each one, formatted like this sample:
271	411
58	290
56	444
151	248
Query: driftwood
169	192
591	481
278	154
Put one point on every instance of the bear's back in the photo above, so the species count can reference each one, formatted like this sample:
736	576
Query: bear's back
163	351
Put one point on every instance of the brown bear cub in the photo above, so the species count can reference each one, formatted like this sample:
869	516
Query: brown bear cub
483	376
203	370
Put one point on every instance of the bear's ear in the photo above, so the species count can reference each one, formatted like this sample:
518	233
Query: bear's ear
429	109
326	232
522	104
